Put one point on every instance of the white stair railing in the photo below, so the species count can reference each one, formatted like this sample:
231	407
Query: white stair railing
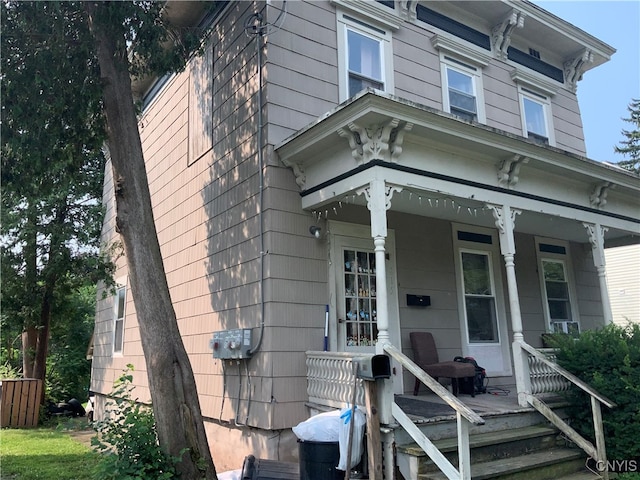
464	415
542	382
330	383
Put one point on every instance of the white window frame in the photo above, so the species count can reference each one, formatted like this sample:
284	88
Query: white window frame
119	316
450	62
545	102
380	34
565	260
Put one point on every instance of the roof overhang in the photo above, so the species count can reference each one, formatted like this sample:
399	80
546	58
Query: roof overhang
429	150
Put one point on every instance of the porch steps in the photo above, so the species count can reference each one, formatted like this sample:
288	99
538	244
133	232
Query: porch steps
527	453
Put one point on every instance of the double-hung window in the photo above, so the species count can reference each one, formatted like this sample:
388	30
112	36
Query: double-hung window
536	116
462	89
365	57
554	267
364	62
120	300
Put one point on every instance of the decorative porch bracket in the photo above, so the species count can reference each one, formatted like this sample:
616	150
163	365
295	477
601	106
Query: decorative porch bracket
381	141
596	237
509	170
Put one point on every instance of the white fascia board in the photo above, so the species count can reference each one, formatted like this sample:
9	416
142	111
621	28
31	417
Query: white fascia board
569	30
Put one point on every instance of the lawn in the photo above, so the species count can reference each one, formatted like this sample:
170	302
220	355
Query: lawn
44	454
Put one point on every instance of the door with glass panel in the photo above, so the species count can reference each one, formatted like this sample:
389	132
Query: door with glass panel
356	292
484	327
359	313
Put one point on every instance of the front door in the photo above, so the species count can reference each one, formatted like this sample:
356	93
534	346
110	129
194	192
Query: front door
355	310
482	313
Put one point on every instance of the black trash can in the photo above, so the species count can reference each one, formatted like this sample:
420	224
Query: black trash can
318	460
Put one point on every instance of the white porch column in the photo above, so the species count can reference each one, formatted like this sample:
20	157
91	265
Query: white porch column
596	237
378	196
504	217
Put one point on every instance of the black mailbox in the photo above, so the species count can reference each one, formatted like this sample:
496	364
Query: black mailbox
373	367
418	300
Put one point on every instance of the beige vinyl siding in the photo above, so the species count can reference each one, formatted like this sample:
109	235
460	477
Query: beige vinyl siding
529	293
425	267
623	279
587	286
301	65
303	77
416	67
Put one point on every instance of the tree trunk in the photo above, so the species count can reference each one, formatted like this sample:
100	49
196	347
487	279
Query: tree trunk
29	342
174	396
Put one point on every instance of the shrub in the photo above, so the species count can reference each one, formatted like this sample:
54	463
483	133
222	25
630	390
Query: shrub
608	360
128	441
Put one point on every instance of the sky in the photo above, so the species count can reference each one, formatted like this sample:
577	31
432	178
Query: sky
605	92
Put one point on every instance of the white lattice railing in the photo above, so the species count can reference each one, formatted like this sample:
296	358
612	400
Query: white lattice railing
330	379
543	378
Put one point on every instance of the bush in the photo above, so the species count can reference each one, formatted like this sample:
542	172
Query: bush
128	441
609	361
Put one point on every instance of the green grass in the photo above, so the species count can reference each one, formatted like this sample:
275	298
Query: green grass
44	454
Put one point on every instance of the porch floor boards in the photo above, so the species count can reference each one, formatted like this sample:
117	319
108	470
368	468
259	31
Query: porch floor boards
502	400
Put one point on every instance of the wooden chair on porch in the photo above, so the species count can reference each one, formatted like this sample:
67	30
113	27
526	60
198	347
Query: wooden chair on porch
425	355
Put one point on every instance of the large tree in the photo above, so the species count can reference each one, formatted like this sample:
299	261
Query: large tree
630	147
132	38
52	170
124	39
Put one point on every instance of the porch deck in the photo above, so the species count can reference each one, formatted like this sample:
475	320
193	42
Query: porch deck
428	407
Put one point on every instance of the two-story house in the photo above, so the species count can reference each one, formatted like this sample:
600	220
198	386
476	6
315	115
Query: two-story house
357	170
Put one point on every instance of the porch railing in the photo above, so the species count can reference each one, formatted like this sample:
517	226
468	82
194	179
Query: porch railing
330	379
464	416
543	378
542	373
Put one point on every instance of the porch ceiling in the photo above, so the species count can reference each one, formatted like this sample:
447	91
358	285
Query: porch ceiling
435	156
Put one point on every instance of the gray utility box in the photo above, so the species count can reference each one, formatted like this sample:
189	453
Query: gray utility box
231	344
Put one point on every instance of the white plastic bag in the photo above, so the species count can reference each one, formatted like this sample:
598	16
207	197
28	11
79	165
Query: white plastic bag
357	442
230	475
324	427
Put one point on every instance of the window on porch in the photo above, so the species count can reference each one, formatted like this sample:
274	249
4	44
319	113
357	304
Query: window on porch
558	300
557	288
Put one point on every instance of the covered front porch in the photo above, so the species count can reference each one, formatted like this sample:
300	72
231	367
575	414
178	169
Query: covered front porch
413	204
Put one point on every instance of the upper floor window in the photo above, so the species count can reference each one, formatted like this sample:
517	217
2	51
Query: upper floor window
462	90
365	62
365	57
536	116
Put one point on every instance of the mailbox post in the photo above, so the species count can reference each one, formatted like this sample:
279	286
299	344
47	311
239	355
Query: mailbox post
372	368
